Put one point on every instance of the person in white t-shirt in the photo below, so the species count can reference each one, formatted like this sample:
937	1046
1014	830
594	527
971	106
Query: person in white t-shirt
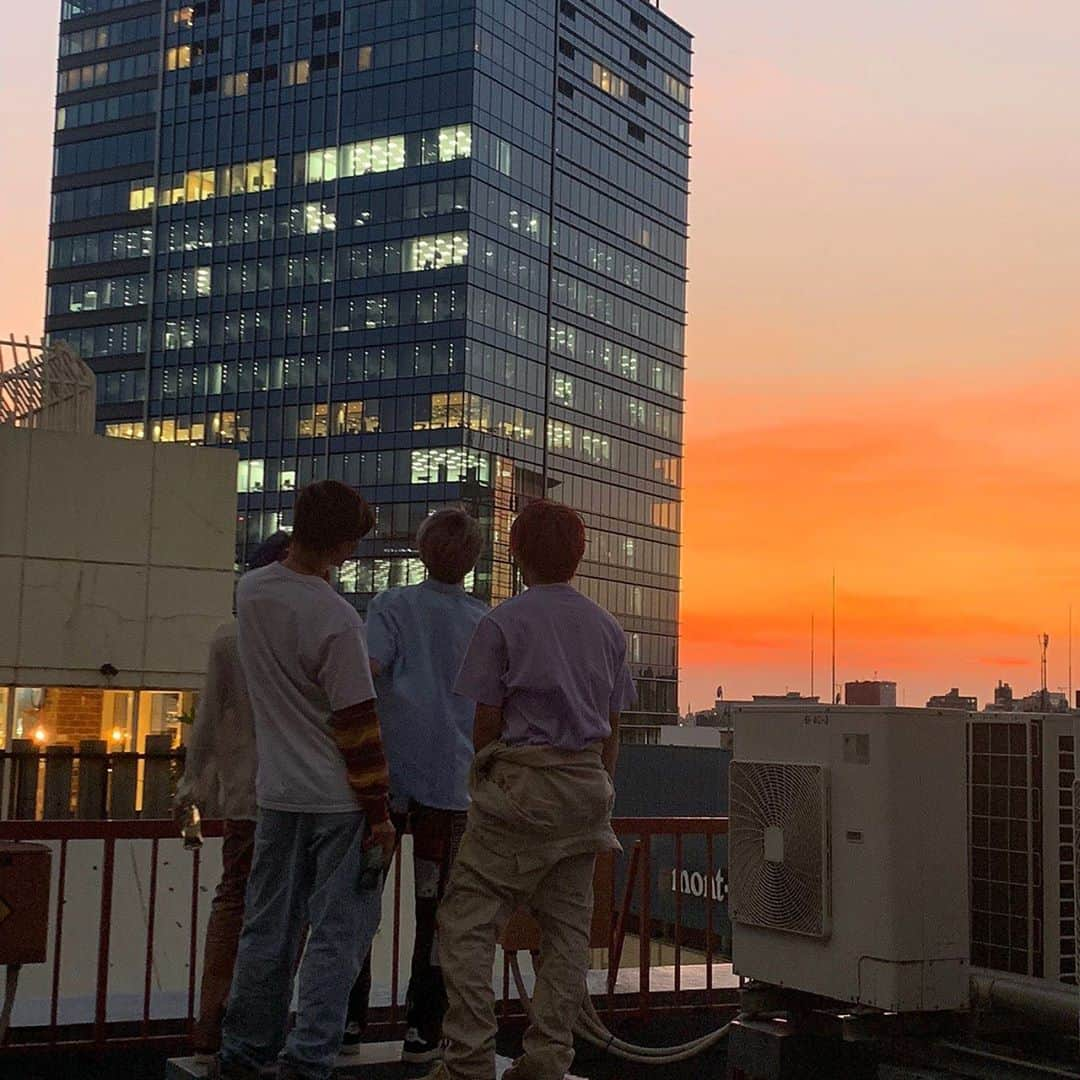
321	789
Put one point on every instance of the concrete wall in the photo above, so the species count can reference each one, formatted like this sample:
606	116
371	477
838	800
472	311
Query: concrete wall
112	551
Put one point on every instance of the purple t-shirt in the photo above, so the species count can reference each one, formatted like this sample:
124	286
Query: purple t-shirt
555	663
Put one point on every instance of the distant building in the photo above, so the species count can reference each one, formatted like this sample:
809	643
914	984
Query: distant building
953	700
715	717
870	692
1043	701
1038	701
1003	698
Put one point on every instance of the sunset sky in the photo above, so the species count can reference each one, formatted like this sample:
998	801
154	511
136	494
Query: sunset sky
884	339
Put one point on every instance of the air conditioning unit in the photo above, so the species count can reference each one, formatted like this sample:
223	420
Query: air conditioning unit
848	854
1024	837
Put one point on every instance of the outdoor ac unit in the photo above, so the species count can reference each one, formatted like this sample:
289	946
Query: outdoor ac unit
848	854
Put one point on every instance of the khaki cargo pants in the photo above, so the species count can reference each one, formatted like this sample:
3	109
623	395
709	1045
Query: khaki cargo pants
485	888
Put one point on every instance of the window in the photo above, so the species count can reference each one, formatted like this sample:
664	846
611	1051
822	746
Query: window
678	90
142	195
455	142
639	22
635	131
637	94
608	81
126	429
449	466
250	475
434	252
363	58
638	57
184	17
566	48
198	184
565	88
234	85
296	72
178	56
560	435
352	418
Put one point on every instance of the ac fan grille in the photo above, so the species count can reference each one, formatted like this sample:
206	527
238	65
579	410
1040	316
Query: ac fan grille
791	895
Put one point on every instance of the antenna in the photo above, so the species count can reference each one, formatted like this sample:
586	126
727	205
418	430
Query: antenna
812	656
832	691
1071	703
1044	643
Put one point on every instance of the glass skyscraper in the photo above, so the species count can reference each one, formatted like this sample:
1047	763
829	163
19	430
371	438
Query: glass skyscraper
433	248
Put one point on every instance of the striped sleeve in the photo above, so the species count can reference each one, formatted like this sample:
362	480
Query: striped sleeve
356	732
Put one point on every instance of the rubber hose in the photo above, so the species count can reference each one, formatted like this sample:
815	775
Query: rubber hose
591	1029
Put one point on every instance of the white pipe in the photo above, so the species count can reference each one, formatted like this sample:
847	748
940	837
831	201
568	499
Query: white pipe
1052	1004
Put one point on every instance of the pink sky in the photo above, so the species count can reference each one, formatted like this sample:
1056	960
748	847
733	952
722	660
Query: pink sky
884	352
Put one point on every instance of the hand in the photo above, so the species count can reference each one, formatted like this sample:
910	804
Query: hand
385	835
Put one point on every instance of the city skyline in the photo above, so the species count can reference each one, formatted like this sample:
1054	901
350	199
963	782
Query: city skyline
880	271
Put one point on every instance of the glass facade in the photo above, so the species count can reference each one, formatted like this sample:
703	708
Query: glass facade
435	249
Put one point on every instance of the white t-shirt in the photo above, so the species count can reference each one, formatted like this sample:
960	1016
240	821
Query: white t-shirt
303	654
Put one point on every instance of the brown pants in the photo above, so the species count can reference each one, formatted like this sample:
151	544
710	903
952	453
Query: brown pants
223	934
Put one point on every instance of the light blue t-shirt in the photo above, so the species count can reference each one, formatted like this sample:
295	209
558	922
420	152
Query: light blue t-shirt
419	635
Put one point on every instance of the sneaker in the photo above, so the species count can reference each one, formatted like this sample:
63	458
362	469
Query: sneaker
418	1051
352	1041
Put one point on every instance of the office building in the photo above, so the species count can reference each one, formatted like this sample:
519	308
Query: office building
433	248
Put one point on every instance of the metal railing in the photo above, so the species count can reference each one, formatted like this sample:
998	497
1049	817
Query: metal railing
157	1002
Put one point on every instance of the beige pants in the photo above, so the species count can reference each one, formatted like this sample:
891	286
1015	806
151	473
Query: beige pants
485	888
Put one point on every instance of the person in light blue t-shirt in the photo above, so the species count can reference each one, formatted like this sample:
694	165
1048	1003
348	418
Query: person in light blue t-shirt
417	637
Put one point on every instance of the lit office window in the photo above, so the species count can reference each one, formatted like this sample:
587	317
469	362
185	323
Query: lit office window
608	81
678	90
141	195
455	142
125	429
434	252
234	85
179	56
296	73
560	435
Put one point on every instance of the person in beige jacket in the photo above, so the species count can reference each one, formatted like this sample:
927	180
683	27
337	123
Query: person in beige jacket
548	673
219	778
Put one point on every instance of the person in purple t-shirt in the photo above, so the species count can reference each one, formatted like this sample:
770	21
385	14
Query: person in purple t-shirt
548	673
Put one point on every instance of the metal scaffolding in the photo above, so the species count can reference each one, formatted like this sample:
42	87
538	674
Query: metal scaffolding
45	386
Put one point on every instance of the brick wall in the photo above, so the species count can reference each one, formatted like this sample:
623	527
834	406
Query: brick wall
71	714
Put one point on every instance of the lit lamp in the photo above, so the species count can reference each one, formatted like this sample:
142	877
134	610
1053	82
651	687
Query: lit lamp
118	735
41	736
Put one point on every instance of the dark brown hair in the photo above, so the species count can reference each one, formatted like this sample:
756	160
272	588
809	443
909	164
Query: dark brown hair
329	513
450	542
549	539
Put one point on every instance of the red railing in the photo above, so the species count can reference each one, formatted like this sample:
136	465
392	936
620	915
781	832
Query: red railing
633	881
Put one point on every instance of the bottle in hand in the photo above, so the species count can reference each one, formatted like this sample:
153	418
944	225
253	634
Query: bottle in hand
191	828
371	868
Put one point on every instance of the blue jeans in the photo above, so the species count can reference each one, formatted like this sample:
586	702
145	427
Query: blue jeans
306	872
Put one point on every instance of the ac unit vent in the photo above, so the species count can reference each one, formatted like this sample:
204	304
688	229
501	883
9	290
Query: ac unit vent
779	846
